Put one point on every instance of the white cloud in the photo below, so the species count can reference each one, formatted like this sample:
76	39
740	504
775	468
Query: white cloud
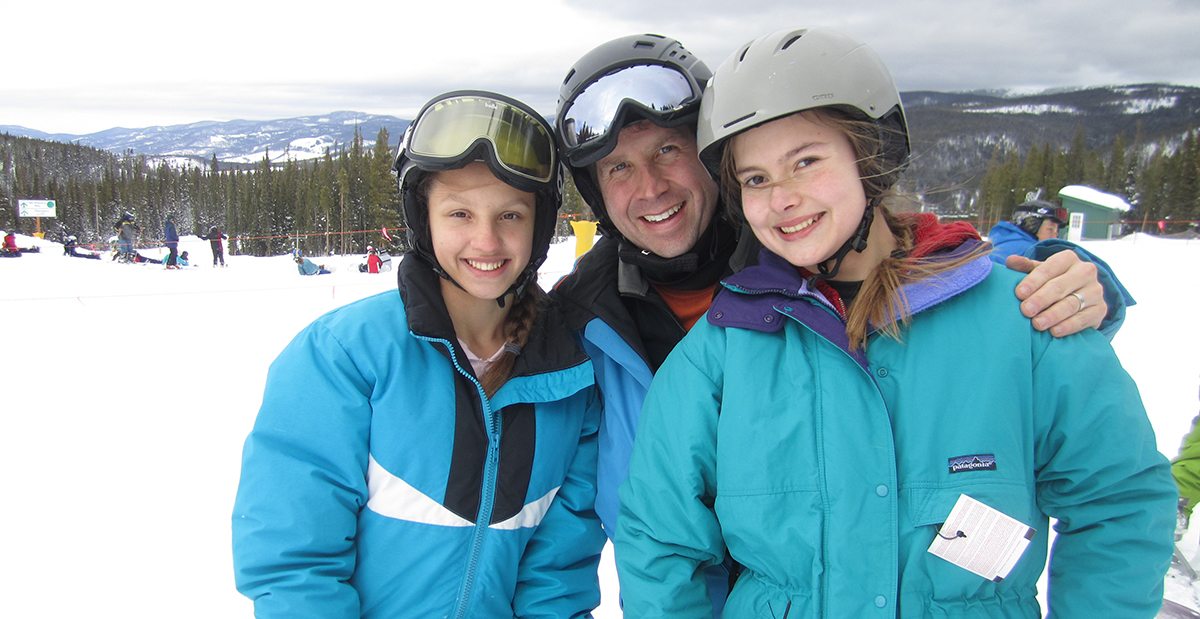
86	66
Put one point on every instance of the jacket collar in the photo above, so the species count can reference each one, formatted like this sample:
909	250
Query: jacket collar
754	297
549	348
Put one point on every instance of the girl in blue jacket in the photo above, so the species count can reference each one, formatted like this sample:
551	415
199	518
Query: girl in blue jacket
431	452
846	393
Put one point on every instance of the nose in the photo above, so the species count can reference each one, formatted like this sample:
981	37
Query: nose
651	182
784	195
486	237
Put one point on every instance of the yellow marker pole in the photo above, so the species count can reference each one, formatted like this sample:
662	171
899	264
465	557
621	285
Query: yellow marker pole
585	234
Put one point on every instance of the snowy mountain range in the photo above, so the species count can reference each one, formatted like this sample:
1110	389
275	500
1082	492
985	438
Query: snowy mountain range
235	141
953	134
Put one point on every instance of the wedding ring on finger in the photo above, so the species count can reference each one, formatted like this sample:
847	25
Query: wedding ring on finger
1082	303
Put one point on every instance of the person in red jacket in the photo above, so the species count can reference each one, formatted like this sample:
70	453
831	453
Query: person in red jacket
373	260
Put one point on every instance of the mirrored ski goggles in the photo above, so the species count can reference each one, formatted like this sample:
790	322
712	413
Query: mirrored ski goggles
1058	214
452	126
657	88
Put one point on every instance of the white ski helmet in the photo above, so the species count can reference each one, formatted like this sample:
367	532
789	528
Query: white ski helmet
800	69
794	70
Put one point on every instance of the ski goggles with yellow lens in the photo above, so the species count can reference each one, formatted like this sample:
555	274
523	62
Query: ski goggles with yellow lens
460	127
588	126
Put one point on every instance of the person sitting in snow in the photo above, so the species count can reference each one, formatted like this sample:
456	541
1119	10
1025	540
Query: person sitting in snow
10	249
71	248
308	267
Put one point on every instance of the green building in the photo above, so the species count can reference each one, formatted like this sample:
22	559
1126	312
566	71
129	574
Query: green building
1099	213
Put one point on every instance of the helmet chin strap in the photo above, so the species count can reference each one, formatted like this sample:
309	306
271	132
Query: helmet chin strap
857	242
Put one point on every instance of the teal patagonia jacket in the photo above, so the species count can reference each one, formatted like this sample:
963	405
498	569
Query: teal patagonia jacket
826	473
380	481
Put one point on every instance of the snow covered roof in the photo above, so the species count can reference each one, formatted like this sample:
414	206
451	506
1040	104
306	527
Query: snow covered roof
1095	196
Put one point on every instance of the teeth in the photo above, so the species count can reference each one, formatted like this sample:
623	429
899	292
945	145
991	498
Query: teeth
486	266
800	226
657	218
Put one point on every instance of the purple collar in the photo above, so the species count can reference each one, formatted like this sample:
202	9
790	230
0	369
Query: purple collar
757	297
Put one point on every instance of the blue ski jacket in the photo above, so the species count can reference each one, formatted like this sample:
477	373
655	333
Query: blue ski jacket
380	481
826	472
1007	239
624	326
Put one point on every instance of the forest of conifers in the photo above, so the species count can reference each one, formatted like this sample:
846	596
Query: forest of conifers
342	201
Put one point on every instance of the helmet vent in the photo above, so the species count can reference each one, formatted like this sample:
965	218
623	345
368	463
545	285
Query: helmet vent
790	41
737	120
641	44
569	76
742	56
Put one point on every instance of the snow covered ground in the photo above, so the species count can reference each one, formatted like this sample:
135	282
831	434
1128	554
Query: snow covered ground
128	389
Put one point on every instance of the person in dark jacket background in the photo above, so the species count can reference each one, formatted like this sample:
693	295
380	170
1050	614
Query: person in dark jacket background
127	231
171	236
214	237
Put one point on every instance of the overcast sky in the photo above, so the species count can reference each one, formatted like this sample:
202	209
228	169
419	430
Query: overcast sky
80	67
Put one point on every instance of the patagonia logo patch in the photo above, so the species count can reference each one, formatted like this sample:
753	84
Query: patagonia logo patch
975	462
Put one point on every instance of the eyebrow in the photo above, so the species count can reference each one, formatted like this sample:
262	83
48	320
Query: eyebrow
788	155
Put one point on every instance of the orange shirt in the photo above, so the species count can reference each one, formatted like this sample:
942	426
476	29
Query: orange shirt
687	305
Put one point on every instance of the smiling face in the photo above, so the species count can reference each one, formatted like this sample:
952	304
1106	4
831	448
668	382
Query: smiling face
482	232
801	191
656	191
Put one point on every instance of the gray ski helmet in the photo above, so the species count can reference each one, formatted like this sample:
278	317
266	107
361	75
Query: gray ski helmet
800	69
1030	214
458	128
626	80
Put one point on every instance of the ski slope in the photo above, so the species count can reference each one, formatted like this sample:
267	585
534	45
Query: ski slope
129	389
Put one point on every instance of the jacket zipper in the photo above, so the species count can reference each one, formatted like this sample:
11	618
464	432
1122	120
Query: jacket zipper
484	516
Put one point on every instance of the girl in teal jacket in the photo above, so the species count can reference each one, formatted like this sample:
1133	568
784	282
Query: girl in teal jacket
841	396
432	452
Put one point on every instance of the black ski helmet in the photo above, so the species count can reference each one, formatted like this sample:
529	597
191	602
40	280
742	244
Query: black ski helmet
626	80
461	127
798	69
1029	215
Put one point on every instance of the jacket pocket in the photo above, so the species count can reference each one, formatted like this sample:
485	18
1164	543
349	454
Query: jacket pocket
929	579
929	506
753	598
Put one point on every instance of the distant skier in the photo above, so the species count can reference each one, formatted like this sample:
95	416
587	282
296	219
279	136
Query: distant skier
171	236
308	267
374	263
71	248
214	237
10	249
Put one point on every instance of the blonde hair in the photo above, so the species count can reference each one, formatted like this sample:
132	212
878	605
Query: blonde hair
881	301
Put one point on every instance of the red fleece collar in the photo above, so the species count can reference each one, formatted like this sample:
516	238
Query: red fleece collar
930	237
933	236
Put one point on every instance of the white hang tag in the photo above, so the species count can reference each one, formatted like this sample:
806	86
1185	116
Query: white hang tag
980	539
